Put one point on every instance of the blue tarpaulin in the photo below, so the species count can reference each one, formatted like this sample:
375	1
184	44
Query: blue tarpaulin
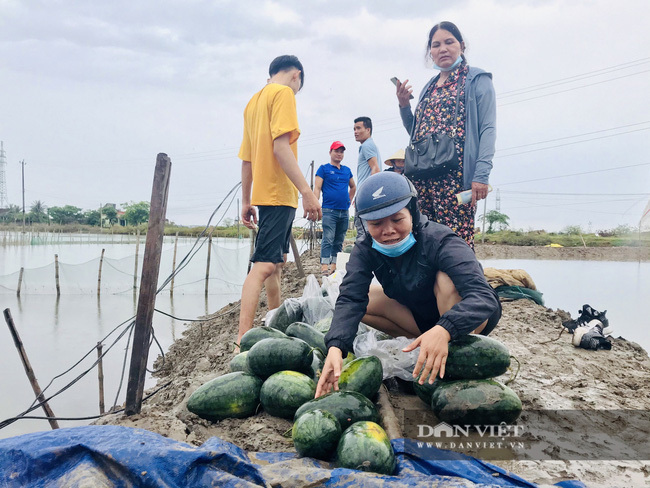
124	457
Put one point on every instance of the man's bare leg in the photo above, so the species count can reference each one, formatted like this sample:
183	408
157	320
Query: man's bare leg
273	285
250	295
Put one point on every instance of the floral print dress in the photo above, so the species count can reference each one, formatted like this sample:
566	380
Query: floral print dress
437	196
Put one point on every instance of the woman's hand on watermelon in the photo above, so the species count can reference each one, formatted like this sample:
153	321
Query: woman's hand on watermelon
329	377
433	346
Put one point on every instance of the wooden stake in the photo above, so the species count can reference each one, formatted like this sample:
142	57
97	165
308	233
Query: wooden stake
171	286
296	257
56	275
207	268
148	285
99	275
20	281
28	369
137	252
100	377
387	414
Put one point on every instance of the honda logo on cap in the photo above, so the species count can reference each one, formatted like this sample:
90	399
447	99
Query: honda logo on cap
378	194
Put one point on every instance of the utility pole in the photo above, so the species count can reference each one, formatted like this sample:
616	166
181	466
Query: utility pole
23	165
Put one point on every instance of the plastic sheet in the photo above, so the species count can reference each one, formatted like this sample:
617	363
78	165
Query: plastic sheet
122	456
394	362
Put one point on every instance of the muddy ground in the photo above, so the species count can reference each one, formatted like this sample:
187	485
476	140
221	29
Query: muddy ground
553	375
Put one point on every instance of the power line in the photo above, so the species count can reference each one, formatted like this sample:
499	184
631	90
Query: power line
571	143
574	88
576	135
574	194
570	79
574	174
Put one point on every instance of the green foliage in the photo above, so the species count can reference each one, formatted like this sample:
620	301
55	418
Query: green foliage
67	214
91	217
38	212
136	213
494	217
110	214
572	230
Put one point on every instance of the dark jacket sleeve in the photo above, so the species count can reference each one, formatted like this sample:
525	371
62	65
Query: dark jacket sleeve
479	301
352	301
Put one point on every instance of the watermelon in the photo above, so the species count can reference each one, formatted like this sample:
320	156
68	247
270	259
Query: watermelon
233	395
240	363
286	314
279	354
348	358
256	334
307	333
316	434
317	364
476	357
364	446
425	390
283	392
363	375
475	402
347	406
323	325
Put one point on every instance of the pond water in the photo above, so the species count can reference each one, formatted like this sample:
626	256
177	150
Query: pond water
57	332
621	288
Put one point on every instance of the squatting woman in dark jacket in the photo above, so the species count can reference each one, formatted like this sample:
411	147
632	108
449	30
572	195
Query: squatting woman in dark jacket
432	287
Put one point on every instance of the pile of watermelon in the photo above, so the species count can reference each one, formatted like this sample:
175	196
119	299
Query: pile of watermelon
469	394
278	368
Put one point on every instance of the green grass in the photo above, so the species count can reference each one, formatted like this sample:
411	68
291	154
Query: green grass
543	238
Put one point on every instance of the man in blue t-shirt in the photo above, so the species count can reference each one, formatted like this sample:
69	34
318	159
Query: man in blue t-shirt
337	184
368	163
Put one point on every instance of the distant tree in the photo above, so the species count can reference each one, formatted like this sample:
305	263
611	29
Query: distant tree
12	214
91	217
38	212
110	214
67	214
136	213
227	222
495	217
570	230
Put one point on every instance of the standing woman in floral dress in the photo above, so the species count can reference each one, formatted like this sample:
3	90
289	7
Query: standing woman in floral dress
474	131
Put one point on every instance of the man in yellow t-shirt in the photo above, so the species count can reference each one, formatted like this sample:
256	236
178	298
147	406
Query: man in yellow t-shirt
270	169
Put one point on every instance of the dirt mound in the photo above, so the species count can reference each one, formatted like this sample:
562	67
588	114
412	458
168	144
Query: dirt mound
553	375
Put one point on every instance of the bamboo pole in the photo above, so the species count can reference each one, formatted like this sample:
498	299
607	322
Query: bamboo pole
99	275
296	257
20	281
484	213
56	274
100	377
148	285
171	286
137	251
28	369
207	267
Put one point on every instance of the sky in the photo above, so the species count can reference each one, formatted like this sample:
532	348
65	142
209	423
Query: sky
91	92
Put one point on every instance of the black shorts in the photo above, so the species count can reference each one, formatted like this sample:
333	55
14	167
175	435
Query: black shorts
274	234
